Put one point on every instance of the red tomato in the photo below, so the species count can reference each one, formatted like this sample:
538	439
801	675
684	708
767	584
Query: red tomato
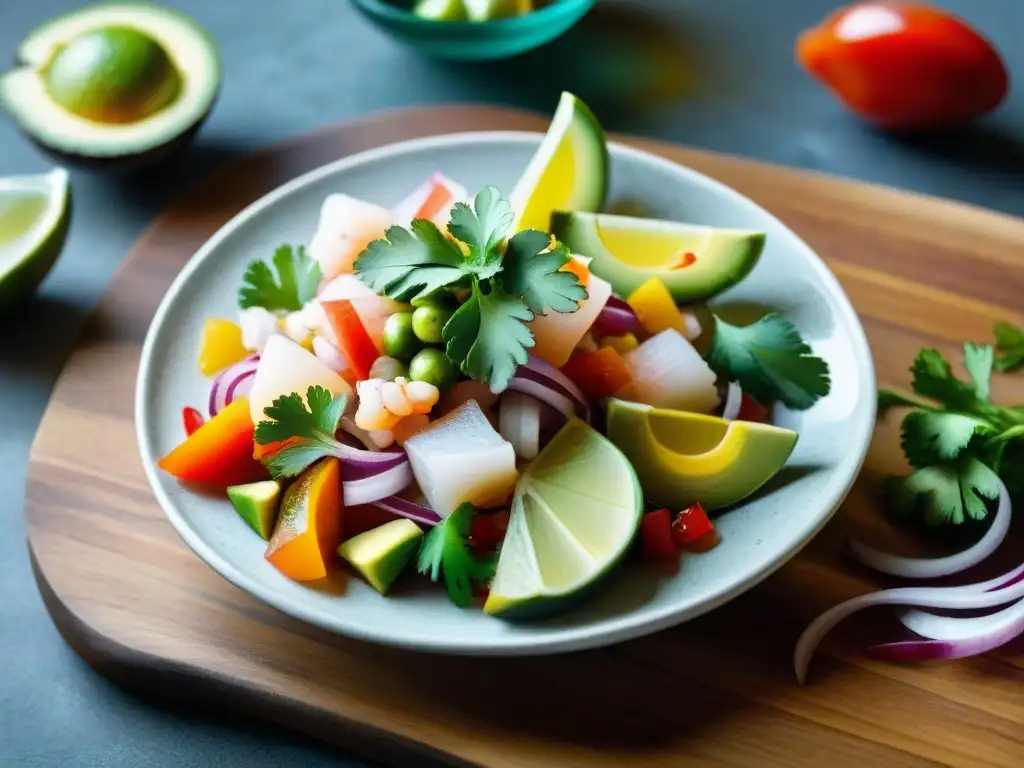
656	536
488	530
692	529
751	410
192	419
905	66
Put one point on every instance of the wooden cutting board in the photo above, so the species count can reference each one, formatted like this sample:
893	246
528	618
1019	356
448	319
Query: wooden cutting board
137	604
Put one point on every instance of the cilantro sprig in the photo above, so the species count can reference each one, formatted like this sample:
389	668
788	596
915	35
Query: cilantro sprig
445	553
956	439
1009	347
770	360
310	432
295	282
510	281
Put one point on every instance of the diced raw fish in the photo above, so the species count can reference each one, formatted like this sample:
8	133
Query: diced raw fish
286	367
558	333
433	200
459	458
669	373
346	226
258	325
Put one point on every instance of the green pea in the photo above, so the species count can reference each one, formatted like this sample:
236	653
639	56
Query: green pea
428	322
433	366
399	340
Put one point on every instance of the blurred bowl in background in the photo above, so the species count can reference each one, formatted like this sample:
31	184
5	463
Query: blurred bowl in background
470	40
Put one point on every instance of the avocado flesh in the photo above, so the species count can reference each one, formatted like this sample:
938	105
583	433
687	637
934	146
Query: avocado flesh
25	96
721	257
257	504
683	457
381	554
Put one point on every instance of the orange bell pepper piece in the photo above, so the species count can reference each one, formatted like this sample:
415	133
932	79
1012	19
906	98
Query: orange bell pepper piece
354	341
600	373
219	452
308	529
262	450
578	268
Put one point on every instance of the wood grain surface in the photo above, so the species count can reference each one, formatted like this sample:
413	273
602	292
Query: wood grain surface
719	691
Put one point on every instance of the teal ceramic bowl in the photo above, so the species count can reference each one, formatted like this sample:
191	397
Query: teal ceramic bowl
474	41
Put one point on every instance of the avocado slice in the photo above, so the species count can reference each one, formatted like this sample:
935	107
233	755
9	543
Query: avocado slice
257	504
695	262
114	86
682	457
381	554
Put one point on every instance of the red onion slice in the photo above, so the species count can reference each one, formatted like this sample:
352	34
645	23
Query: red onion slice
378	485
544	370
931	568
616	318
733	402
234	381
519	423
418	513
544	393
936	627
964	637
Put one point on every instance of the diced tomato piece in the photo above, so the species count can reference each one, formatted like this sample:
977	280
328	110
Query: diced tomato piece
751	410
691	525
354	341
488	530
656	536
192	420
599	373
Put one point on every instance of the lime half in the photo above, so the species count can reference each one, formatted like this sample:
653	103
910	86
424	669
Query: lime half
569	171
575	513
34	218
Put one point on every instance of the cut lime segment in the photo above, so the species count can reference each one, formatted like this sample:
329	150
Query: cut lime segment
488	10
575	513
569	171
34	215
440	10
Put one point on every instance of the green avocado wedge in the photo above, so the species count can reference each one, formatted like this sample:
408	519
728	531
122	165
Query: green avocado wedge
695	262
257	504
113	86
382	553
35	214
684	457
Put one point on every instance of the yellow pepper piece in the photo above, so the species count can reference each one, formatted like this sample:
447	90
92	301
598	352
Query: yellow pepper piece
221	346
655	307
627	342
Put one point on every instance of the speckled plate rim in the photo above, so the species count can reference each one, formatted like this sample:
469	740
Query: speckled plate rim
556	640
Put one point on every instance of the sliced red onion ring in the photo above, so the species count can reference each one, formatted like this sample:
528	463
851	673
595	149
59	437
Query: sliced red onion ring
931	568
961	637
234	381
378	485
733	402
561	382
544	393
418	513
922	597
519	423
616	318
935	627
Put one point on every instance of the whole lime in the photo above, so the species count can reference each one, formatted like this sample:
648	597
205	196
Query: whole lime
112	75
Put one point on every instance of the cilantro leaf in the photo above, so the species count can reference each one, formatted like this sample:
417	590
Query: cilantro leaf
408	264
483	227
934	437
1010	347
892	398
978	360
311	431
298	277
445	552
532	269
487	337
933	377
770	361
943	494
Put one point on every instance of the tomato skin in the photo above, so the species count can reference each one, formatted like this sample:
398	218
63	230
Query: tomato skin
905	66
656	540
192	420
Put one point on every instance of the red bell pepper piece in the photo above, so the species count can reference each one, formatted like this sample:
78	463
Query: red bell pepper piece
192	420
693	530
599	373
751	410
219	452
354	341
488	530
656	536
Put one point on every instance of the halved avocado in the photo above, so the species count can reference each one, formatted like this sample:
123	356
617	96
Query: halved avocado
683	457
694	262
115	86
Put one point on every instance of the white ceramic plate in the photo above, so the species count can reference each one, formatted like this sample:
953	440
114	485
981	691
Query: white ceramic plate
757	538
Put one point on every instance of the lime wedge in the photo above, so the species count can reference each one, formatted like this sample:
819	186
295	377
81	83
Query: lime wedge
575	513
440	10
34	217
488	10
569	171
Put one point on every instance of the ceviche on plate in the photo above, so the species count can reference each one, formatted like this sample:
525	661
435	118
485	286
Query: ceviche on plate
503	394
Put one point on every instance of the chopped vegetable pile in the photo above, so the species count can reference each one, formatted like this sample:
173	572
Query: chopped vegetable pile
446	365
